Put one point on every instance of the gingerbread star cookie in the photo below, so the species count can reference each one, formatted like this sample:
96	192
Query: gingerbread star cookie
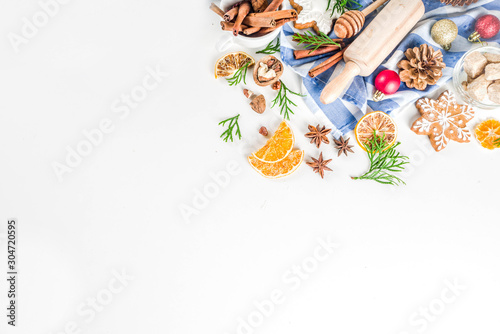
314	14
443	120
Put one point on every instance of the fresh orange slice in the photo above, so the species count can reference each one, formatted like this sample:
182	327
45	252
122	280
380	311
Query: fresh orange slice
377	121
487	132
232	62
278	146
278	169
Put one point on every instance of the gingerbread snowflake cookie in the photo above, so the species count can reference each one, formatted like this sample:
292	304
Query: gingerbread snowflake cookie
314	14
443	120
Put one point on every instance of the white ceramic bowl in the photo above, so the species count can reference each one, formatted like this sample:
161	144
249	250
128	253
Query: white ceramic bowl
226	41
460	76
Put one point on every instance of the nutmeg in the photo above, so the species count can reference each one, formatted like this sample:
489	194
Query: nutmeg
258	102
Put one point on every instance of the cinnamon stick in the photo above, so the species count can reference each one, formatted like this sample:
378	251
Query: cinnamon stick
264	31
281	17
314	72
279	24
228	26
259	21
231	14
282	22
216	10
259	5
277	15
243	11
251	30
275	4
299	54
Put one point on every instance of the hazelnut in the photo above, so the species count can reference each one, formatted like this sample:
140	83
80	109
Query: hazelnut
263	131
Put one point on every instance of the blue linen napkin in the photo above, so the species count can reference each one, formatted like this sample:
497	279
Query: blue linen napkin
343	114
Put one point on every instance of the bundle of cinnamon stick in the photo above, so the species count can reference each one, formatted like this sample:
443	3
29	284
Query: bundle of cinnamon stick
337	51
254	18
327	64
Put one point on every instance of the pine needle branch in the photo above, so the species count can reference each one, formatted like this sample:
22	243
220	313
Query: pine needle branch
341	6
497	142
313	41
284	102
228	134
239	75
383	161
270	48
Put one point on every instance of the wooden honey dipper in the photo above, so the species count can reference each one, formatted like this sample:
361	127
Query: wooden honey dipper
351	22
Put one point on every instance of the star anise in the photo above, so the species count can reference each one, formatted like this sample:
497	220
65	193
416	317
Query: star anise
319	165
343	145
318	135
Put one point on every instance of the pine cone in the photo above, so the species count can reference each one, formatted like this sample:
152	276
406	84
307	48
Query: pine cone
458	2
423	66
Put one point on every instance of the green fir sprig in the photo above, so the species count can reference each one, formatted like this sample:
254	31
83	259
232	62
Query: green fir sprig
341	6
228	134
314	42
497	142
239	75
270	48
284	102
383	163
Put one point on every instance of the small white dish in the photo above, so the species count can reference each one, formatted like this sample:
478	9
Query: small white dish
460	76
228	40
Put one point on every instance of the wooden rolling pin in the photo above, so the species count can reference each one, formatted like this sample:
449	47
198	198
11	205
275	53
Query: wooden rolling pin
375	43
351	22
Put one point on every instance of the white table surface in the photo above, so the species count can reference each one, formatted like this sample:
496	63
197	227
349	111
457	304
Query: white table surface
119	209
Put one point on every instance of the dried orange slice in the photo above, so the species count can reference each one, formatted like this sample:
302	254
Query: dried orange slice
278	169
377	121
487	132
278	146
232	62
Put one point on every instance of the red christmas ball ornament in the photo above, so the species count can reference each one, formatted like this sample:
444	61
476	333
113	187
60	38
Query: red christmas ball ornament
487	26
386	83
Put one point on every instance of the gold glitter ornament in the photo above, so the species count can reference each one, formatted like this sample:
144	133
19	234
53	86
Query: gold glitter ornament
444	32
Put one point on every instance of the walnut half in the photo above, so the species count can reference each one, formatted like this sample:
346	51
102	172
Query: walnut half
267	71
